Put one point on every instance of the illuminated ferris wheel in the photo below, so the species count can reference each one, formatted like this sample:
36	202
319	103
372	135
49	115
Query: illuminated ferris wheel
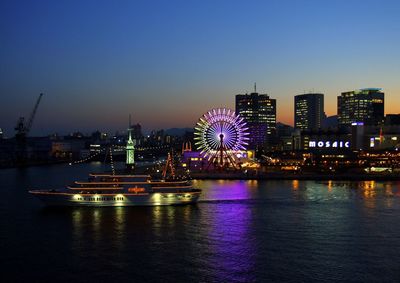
219	134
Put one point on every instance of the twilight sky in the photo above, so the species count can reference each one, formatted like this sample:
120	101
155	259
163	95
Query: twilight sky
168	62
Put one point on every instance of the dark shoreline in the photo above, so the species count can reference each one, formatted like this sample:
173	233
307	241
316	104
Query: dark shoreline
252	176
318	177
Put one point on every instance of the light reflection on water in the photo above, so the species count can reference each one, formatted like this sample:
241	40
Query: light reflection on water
243	231
229	190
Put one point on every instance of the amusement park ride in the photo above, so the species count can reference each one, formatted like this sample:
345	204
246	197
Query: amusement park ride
220	134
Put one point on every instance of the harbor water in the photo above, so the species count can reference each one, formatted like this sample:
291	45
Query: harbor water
240	231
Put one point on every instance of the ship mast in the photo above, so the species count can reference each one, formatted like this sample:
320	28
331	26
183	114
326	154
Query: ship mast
169	165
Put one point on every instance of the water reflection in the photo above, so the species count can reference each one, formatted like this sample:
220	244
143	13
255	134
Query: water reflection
295	184
116	226
230	244
330	185
94	226
368	191
227	189
278	231
389	193
319	191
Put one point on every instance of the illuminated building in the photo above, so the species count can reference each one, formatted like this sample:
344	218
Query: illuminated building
259	112
67	148
186	146
130	151
285	138
322	141
195	161
364	105
309	111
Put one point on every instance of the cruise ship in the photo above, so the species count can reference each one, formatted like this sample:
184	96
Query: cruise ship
125	189
121	190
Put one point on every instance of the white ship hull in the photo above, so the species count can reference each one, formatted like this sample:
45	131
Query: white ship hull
121	190
151	199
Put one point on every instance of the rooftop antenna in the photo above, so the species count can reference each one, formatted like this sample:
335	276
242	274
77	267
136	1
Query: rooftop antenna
255	87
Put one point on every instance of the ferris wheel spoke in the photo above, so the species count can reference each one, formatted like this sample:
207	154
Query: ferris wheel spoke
214	123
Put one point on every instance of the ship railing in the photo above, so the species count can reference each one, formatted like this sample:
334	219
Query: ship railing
95	188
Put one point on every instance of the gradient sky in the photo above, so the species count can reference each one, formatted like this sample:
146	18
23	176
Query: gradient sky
167	62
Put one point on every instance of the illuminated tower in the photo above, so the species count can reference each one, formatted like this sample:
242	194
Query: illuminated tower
308	111
259	113
130	148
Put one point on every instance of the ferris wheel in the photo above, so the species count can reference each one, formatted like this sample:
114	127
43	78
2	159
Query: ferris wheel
219	134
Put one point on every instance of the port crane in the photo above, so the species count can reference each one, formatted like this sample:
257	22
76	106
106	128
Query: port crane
22	129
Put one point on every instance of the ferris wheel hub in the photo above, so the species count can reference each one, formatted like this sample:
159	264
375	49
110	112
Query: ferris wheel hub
221	132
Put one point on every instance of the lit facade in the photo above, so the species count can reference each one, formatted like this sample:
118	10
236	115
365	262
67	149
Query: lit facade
323	141
361	106
195	161
309	111
130	151
259	112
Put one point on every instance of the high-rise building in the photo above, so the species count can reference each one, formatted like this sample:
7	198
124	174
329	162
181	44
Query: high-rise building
259	112
361	106
309	111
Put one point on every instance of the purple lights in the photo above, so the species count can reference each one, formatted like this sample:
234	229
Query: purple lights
220	125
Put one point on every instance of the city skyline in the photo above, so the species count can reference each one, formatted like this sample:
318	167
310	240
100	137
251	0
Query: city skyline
168	64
